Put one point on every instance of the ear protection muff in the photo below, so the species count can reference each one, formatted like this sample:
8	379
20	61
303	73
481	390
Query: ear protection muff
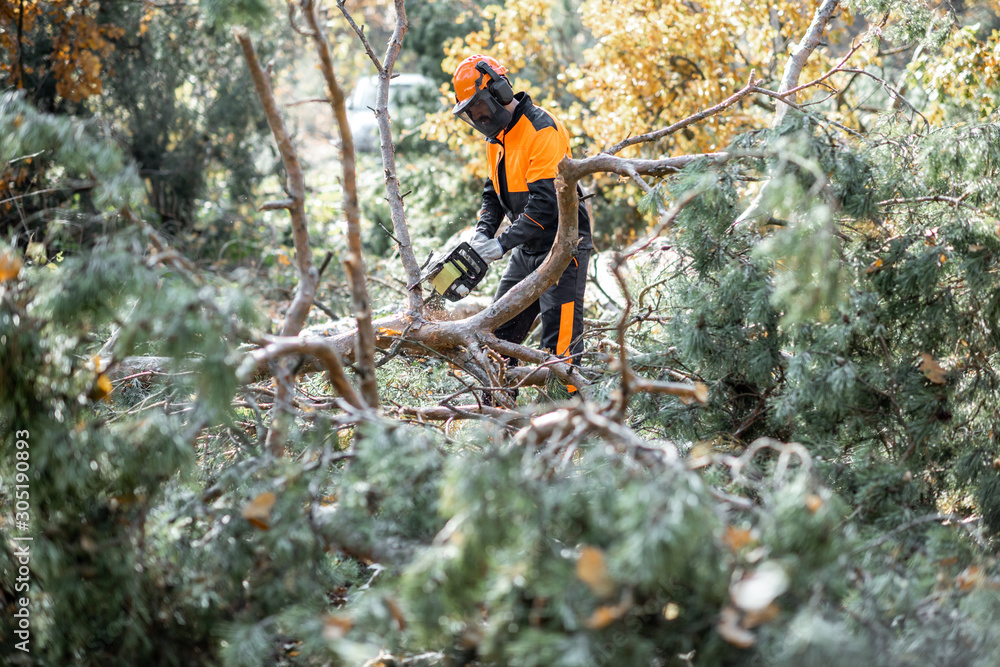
498	86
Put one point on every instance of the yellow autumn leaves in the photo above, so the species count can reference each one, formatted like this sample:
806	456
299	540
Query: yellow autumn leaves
966	73
638	65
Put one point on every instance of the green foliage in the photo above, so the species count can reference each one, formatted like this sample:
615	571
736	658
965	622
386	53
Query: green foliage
656	533
432	24
911	20
76	151
179	94
224	13
93	480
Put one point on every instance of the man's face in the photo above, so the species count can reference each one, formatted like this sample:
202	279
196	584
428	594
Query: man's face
484	113
480	112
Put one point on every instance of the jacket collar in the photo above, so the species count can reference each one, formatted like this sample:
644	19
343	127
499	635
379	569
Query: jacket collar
523	104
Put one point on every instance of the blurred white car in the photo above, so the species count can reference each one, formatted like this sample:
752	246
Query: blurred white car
411	96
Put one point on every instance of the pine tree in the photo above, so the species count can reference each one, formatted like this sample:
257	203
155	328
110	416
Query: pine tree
836	501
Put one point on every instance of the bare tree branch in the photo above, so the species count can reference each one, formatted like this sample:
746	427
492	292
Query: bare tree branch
690	120
626	373
448	412
797	61
295	317
786	90
321	349
392	189
355	261
666	220
686	391
361	35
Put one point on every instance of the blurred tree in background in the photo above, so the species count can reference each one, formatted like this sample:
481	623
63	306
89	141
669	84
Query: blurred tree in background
164	82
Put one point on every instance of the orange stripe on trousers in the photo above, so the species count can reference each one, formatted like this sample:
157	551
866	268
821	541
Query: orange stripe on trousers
565	328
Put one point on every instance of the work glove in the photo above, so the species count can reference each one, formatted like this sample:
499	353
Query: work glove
489	249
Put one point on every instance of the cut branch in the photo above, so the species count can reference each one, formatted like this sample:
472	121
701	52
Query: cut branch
355	262
298	311
322	350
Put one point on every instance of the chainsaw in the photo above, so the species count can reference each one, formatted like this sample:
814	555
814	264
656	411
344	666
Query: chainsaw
455	273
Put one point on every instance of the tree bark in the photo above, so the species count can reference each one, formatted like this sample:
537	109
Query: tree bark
295	318
793	70
297	313
355	262
400	229
797	61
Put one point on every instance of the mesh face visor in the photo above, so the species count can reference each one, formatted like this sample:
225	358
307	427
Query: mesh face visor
483	113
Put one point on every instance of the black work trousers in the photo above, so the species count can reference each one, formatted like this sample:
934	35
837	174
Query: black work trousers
561	305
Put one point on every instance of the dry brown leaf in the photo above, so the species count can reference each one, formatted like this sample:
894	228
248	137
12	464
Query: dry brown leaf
103	386
258	510
335	627
89	545
729	629
10	266
98	364
383	659
754	618
700	455
813	503
603	617
970	578
36	252
607	614
591	570
736	538
932	369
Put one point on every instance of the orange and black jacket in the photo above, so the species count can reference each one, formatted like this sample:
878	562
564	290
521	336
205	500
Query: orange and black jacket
523	162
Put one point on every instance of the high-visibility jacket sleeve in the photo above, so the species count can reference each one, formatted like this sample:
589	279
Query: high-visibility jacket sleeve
491	212
541	213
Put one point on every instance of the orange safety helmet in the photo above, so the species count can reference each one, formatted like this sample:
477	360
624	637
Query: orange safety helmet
482	93
468	78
